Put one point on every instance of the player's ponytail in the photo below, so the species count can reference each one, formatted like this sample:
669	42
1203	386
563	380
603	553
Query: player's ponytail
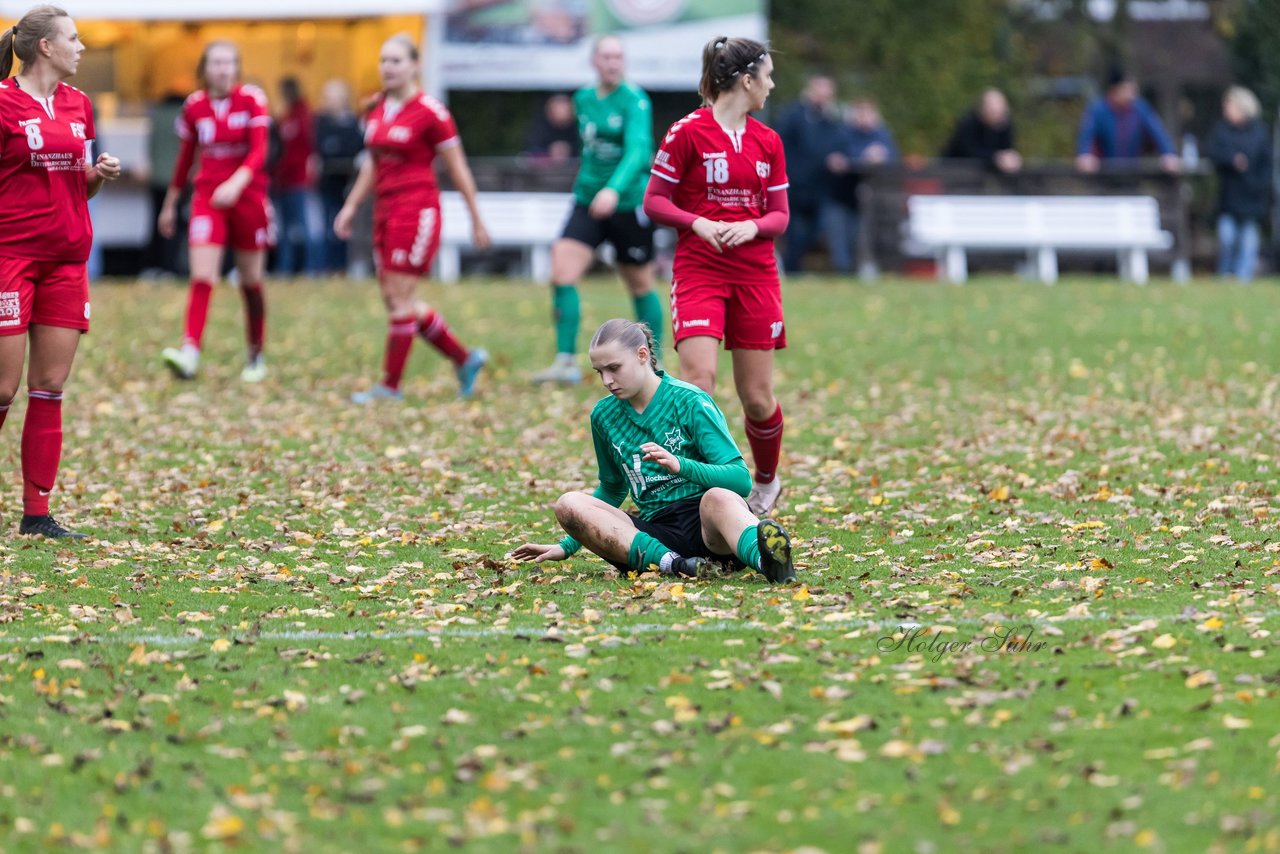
629	334
724	61
24	37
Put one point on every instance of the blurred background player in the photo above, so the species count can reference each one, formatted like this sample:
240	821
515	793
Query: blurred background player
299	239
615	121
665	443
338	141
227	123
46	169
720	178
404	131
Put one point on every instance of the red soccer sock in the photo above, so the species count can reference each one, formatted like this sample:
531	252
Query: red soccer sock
437	333
765	438
41	450
255	317
197	311
4	413
400	333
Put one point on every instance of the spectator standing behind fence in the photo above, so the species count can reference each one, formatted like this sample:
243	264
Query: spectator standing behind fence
865	142
338	140
1240	149
810	130
553	136
1122	126
986	133
293	173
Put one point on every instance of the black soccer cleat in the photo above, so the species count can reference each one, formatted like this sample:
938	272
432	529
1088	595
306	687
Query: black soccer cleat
775	552
47	526
692	567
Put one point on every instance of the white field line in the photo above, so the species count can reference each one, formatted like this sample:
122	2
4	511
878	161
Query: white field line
539	633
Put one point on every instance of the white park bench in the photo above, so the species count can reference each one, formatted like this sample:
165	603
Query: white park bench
527	221
1042	226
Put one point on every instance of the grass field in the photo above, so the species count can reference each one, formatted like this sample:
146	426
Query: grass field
297	631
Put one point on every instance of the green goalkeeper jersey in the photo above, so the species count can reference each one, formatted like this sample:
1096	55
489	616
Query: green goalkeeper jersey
617	144
681	418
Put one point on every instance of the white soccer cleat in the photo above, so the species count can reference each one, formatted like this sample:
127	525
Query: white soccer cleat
255	371
563	370
764	495
184	361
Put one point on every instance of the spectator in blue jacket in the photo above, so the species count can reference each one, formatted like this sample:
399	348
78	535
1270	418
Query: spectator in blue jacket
866	143
1240	148
810	130
1122	126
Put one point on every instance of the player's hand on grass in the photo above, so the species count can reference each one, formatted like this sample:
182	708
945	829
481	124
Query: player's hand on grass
480	238
538	552
654	452
604	204
708	231
734	234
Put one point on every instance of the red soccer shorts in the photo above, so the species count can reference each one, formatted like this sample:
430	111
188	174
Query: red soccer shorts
745	315
50	293
405	240
246	226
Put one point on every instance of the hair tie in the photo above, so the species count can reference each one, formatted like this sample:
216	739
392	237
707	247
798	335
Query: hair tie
720	45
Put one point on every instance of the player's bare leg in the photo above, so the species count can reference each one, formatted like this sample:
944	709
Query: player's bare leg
251	265
612	534
729	527
206	268
698	357
53	350
753	379
570	260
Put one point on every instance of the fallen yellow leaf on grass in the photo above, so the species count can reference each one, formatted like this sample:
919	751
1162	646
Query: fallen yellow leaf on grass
1233	722
223	826
220	645
1165	641
1210	625
1000	493
802	595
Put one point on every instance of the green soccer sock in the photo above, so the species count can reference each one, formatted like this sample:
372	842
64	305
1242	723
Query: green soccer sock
649	310
645	551
748	550
566	310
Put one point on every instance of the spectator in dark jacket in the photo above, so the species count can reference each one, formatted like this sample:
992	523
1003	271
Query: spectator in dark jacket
986	133
1240	149
338	141
810	130
553	135
865	144
1122	126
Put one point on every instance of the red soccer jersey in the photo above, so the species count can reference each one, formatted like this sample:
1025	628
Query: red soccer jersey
404	142
44	157
229	132
724	177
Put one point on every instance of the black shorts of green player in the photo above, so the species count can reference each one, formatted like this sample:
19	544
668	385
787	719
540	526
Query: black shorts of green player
630	232
663	444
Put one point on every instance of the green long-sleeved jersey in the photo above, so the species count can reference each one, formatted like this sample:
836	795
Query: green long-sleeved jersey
681	418
617	144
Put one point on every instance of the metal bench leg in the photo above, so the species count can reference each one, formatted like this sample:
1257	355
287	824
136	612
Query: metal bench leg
1138	266
540	264
448	264
1047	265
956	265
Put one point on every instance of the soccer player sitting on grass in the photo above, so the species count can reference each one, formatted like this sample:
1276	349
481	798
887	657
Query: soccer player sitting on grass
665	443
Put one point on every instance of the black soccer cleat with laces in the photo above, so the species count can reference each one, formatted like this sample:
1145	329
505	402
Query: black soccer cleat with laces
775	552
47	526
692	567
